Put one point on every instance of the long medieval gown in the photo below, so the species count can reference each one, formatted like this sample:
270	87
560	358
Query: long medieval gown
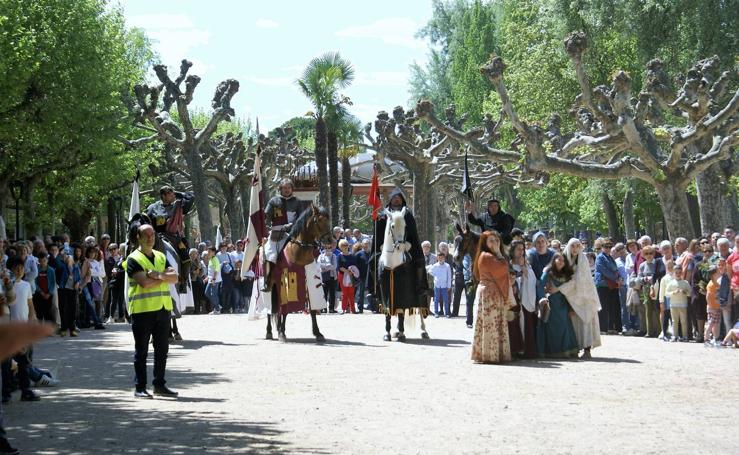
556	337
494	299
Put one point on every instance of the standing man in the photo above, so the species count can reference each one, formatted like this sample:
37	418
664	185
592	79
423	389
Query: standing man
168	216
494	219
279	216
149	304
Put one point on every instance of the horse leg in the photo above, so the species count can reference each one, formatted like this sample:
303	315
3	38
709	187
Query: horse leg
281	328
424	333
269	327
314	322
388	317
401	327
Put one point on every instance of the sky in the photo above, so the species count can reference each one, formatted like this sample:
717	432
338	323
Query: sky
266	44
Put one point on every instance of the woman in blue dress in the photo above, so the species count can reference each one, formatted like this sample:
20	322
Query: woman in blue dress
555	336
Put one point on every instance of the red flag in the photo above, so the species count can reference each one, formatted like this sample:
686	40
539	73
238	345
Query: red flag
373	198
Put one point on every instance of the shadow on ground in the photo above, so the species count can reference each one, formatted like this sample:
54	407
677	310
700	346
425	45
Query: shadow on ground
94	411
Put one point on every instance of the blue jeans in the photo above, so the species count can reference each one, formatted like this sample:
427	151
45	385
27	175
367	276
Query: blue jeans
213	291
360	295
90	306
441	297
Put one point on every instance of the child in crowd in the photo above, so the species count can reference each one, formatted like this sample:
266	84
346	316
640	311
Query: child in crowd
21	309
712	306
45	289
329	265
442	273
677	293
664	299
347	276
732	338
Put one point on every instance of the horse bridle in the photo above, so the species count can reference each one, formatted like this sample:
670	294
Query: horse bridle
306	245
395	241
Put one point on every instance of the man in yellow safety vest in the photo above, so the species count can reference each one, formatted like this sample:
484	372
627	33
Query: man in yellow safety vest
149	304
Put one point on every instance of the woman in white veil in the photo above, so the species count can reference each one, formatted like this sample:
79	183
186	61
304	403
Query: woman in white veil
580	292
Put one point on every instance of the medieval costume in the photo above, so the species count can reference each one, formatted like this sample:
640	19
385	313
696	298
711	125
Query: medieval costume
404	289
494	299
500	222
555	336
279	215
168	220
526	281
583	298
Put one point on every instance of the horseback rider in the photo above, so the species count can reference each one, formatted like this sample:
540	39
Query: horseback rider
279	215
168	218
494	219
418	298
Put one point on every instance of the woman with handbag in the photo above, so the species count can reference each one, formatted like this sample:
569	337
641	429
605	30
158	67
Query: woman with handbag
555	336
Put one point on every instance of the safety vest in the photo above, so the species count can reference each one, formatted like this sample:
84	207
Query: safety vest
142	300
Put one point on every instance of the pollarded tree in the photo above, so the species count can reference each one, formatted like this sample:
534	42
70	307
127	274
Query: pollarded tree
182	135
620	136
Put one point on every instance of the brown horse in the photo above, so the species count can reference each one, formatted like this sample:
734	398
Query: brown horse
465	243
301	248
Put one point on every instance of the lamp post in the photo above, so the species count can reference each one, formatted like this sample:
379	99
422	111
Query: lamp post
16	191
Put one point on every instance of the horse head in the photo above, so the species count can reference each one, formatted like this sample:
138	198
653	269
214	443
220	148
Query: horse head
318	225
465	242
137	220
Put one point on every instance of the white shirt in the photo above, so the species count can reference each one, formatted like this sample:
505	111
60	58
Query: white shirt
237	256
97	269
19	306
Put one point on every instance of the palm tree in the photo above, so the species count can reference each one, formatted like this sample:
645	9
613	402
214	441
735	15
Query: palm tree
349	136
322	79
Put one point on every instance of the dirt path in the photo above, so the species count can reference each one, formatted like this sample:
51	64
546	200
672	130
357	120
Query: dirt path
358	394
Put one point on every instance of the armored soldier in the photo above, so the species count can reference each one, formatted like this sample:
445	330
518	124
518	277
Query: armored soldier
280	213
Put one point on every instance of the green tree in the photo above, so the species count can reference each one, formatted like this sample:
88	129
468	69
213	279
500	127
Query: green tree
320	83
69	65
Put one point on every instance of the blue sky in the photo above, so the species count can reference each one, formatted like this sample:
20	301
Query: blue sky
266	44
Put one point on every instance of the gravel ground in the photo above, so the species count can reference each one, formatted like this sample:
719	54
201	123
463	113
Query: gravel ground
357	394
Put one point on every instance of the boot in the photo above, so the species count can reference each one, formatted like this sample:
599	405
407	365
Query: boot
267	285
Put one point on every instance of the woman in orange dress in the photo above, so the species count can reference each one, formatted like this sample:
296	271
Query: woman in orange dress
493	298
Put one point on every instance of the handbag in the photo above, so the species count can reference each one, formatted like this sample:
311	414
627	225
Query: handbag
97	289
612	284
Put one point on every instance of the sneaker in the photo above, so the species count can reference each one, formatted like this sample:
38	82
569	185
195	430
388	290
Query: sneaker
99	327
215	312
110	320
73	333
6	448
62	333
164	391
469	326
46	381
142	394
177	337
29	395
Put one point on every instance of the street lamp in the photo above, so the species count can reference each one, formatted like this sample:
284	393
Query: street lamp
16	191
118	206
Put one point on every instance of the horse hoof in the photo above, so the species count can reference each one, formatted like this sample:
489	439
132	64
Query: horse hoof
401	337
320	338
396	334
269	336
386	337
282	338
425	336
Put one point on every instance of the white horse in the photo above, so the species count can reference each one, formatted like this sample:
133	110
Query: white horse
394	249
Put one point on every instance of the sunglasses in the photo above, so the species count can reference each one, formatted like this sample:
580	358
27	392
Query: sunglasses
704	242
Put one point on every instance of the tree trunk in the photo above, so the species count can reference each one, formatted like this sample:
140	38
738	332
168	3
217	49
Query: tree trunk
628	209
422	200
346	192
200	188
110	213
675	210
29	208
614	231
233	213
332	147
320	141
77	223
711	200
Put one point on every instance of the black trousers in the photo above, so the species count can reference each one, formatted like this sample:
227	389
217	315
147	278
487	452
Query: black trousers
458	289
67	308
43	307
145	326
470	292
329	293
609	316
